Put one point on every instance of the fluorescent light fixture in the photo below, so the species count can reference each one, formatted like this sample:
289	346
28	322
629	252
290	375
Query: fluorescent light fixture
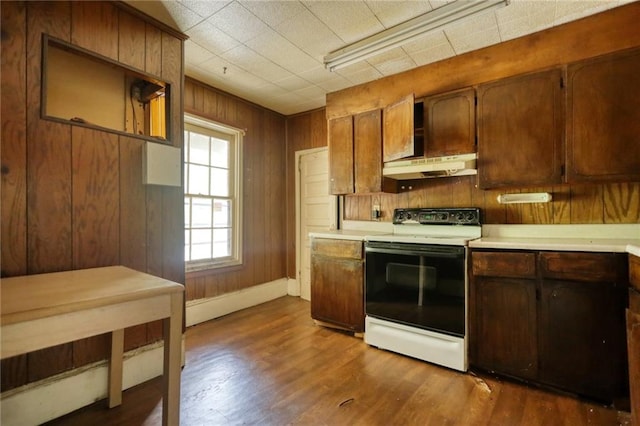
402	33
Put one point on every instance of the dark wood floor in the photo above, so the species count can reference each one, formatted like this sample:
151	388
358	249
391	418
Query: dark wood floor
270	365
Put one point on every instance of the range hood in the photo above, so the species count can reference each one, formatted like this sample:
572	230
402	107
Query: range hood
422	168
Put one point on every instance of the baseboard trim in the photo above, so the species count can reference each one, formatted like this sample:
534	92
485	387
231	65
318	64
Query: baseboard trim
48	399
202	310
55	396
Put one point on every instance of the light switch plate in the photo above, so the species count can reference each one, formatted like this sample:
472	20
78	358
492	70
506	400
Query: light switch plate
161	165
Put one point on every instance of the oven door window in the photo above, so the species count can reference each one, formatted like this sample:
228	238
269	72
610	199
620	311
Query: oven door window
417	285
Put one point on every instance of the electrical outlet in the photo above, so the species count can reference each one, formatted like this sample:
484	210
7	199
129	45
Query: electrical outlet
375	212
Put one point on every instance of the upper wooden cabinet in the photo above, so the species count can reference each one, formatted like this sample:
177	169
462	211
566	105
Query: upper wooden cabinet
450	120
368	151
341	155
520	127
355	153
603	118
398	131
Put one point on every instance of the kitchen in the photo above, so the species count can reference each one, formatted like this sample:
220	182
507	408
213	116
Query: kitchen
141	237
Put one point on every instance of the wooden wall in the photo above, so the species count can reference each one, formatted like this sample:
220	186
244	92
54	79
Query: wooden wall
72	197
304	131
264	192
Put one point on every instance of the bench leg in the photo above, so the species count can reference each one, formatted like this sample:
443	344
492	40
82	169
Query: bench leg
115	368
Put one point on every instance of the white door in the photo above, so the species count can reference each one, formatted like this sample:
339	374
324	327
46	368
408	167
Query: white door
316	209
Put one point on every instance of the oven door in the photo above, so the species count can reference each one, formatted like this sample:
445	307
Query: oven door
417	285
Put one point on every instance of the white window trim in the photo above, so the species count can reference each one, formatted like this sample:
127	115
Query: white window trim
237	257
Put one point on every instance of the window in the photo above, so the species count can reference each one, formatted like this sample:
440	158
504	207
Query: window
212	194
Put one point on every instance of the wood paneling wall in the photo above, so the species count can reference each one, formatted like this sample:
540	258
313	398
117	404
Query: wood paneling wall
72	197
264	191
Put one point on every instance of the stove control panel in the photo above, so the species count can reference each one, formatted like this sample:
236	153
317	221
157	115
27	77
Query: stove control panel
437	216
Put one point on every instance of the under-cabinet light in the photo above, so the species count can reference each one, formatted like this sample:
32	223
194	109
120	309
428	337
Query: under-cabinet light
528	197
407	31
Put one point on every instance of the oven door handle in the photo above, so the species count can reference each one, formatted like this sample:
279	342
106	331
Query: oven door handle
447	254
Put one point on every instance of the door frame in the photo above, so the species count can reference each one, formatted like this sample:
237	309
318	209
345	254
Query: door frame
294	290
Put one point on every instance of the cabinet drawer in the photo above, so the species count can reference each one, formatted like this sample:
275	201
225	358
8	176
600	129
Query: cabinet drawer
346	249
634	271
594	267
504	264
634	301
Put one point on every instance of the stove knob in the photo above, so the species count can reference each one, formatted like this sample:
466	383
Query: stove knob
460	216
443	216
470	216
408	216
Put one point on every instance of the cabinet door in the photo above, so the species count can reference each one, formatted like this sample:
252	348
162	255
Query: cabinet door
341	155
582	338
520	128
451	123
633	344
337	291
398	138
603	118
506	333
368	151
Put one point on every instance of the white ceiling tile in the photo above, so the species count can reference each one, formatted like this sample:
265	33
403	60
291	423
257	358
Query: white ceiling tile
359	73
238	22
310	92
524	17
282	52
212	38
392	62
432	52
474	33
195	54
291	83
330	81
249	60
311	35
391	13
205	8
274	12
183	17
349	20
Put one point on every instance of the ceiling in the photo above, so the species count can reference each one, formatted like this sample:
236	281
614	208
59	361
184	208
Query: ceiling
271	52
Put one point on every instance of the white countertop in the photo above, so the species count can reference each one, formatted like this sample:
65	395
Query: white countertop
594	238
623	238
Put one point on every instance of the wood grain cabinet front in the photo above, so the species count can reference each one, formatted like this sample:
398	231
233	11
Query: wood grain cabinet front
450	121
355	154
520	130
337	283
503	324
398	136
633	338
553	318
340	133
603	118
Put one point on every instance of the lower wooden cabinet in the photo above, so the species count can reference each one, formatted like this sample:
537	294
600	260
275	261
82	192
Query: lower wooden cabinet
337	283
554	318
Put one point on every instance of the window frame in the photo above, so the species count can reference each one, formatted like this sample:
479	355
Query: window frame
235	196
